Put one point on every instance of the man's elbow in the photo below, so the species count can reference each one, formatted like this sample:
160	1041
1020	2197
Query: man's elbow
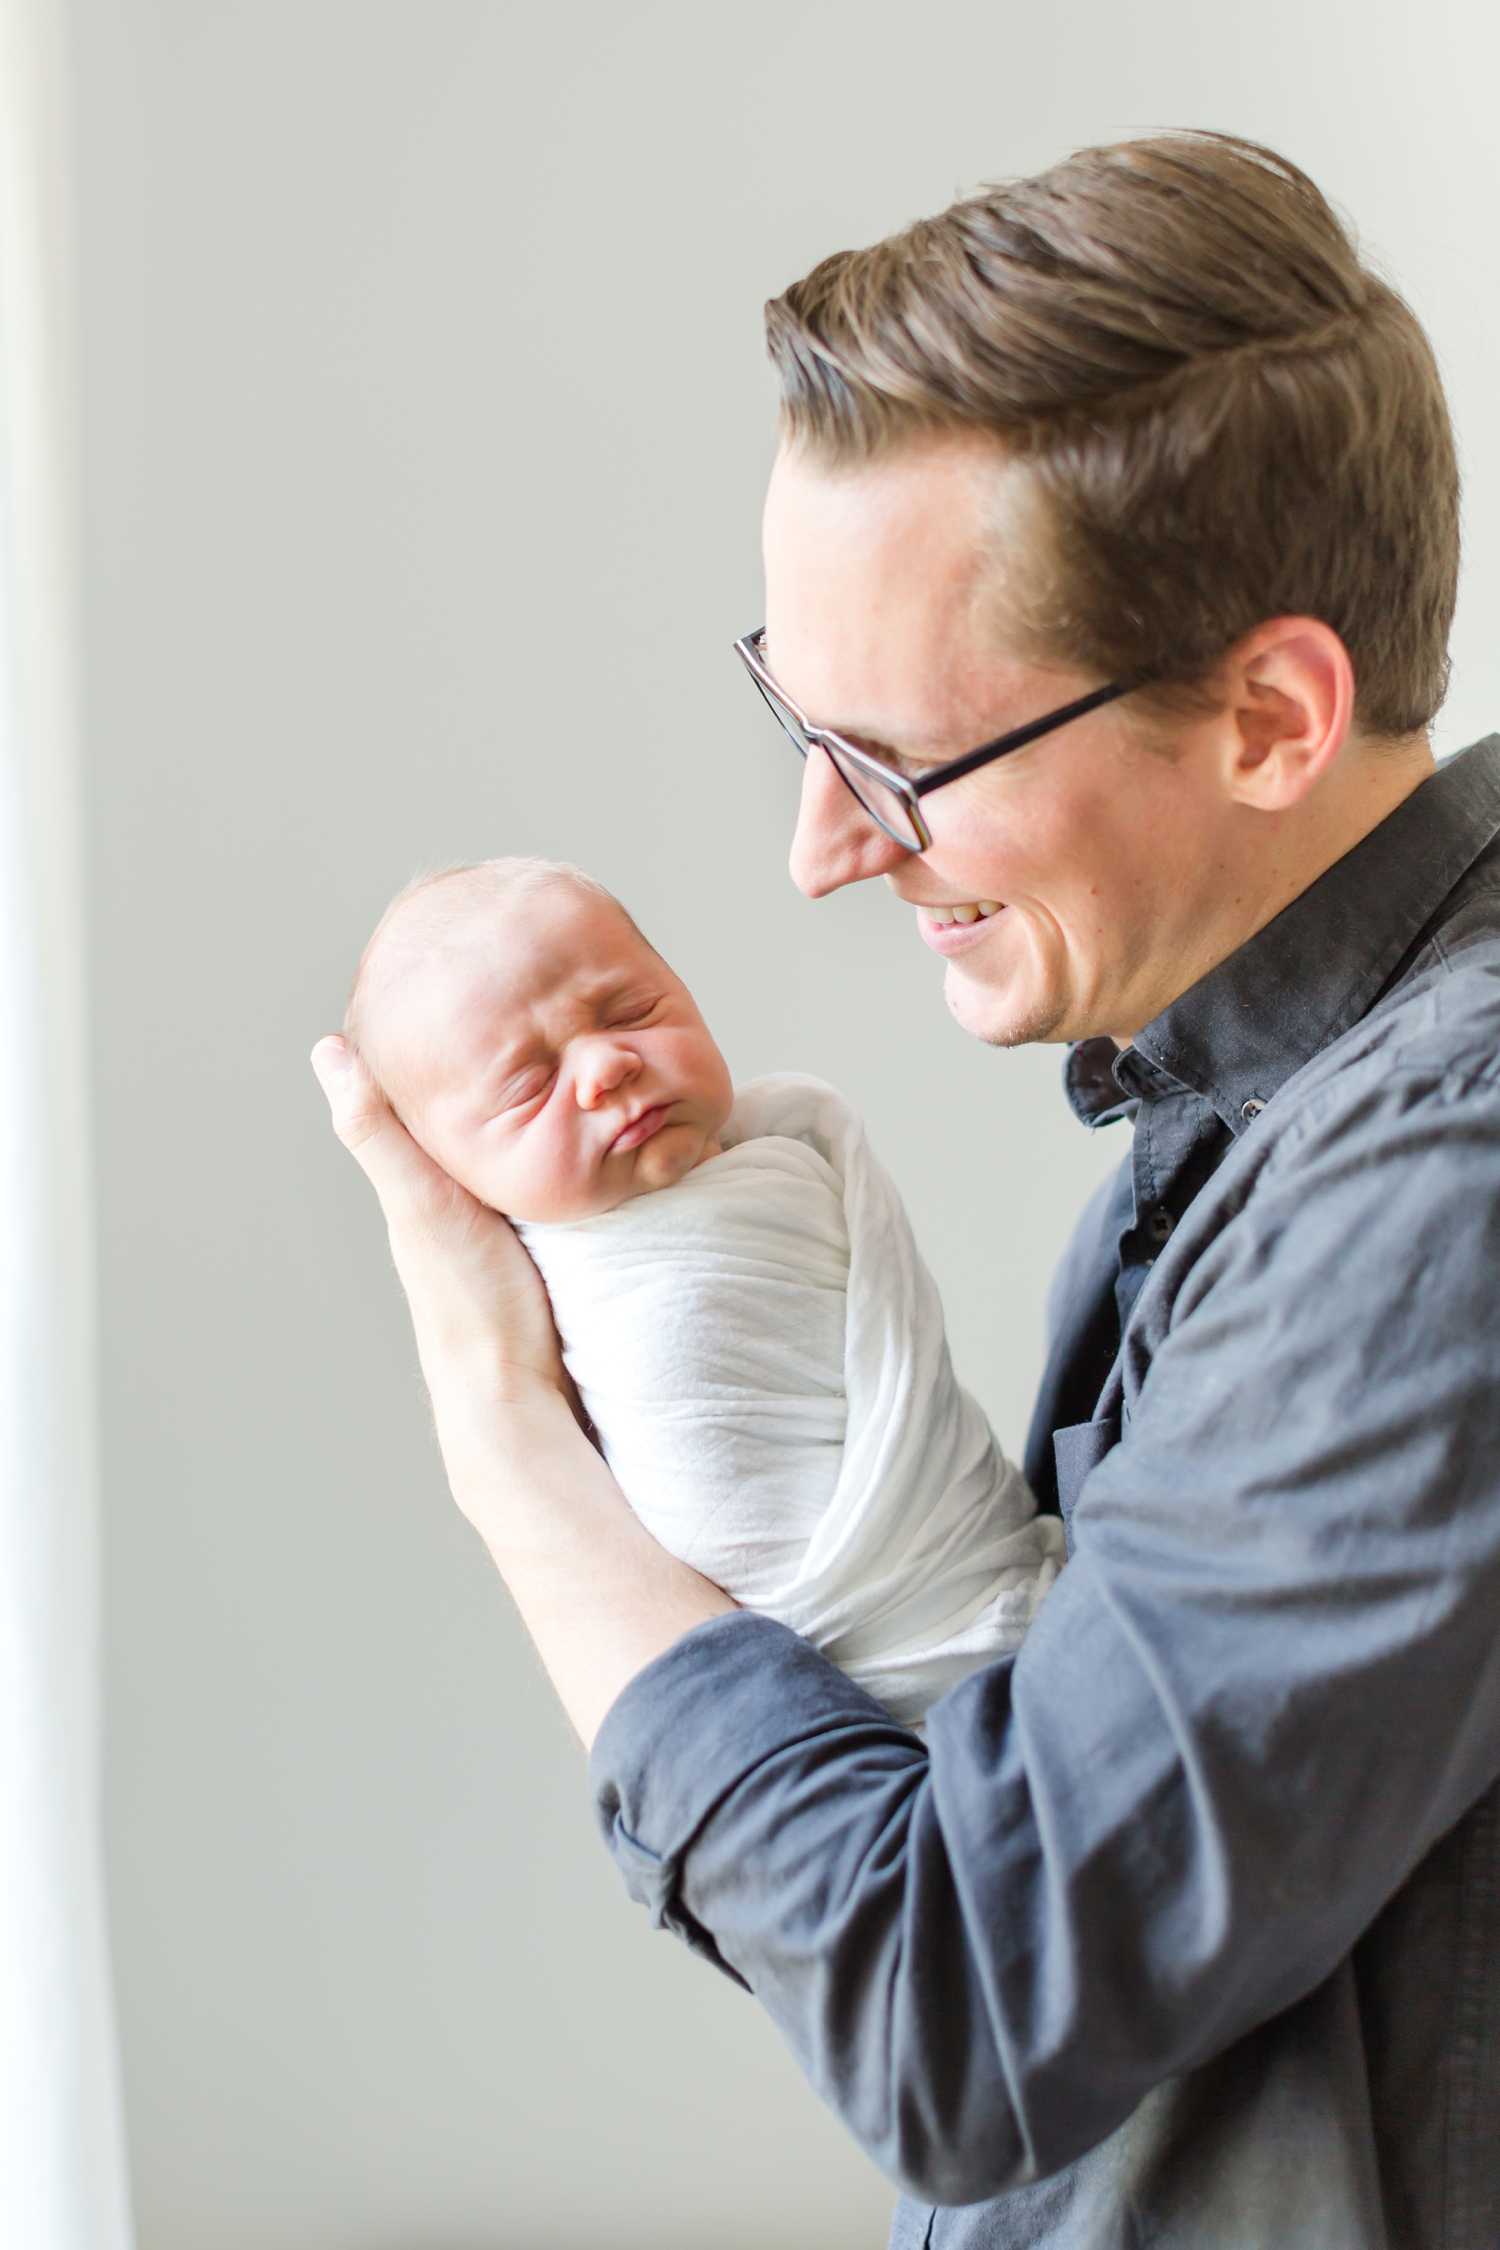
954	2173
954	2151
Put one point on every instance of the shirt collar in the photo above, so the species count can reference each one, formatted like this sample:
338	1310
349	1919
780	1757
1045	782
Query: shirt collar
1238	1034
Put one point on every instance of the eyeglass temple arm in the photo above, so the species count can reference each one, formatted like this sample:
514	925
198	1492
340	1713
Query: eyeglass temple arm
1002	746
956	768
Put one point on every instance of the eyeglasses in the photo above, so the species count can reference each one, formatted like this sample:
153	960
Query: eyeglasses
891	801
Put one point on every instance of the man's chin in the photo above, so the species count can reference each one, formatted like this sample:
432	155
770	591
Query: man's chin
1015	1011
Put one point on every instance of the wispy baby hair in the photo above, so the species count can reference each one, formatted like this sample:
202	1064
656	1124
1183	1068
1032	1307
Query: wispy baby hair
430	916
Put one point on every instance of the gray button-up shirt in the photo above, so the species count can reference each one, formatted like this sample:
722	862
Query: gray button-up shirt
1184	1927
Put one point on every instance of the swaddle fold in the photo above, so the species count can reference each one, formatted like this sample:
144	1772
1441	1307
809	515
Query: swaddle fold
762	1352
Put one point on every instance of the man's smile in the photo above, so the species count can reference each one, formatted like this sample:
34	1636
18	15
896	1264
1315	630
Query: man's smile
955	928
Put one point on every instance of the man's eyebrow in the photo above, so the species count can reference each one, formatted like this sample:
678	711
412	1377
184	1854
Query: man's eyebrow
861	740
888	754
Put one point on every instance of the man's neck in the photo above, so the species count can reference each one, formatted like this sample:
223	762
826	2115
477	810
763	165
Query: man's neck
1281	857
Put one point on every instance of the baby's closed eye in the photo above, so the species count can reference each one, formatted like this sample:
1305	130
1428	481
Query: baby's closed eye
525	1089
631	1012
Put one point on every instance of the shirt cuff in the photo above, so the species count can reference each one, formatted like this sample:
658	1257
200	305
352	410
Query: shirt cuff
688	1729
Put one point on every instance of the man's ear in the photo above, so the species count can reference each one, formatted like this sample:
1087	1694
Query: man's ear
1291	694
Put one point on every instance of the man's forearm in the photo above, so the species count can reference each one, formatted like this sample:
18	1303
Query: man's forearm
599	1597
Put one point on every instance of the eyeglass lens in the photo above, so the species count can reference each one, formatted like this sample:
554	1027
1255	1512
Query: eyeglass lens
884	806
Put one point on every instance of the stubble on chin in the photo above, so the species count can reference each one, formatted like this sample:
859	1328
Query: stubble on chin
1002	1019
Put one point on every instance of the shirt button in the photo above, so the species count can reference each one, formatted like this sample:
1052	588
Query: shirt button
1159	1226
1252	1110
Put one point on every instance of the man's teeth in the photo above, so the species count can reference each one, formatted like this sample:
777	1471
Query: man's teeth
978	912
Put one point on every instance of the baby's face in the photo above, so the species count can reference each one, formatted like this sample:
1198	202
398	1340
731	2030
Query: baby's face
555	1066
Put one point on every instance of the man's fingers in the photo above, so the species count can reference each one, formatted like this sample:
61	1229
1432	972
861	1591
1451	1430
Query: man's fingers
402	1175
467	1277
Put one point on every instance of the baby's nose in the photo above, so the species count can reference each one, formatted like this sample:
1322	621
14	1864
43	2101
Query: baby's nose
601	1068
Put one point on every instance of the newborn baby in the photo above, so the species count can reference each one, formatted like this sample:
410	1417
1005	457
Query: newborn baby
739	1298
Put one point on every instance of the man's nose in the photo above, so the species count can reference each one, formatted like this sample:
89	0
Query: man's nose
600	1068
836	841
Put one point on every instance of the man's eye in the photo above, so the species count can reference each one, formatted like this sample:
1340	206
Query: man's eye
895	760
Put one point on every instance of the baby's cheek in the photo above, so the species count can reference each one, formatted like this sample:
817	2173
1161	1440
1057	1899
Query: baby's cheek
445	1147
478	1170
558	1180
715	1087
490	1164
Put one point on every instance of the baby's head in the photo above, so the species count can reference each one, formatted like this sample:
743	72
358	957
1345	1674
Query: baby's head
533	1043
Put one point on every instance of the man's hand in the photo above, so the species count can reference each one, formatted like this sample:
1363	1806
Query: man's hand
474	1293
600	1597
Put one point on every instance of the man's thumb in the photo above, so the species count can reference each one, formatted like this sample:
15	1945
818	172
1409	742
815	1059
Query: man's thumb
357	1107
331	1058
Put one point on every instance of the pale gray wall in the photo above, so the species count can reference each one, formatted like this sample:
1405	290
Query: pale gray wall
425	426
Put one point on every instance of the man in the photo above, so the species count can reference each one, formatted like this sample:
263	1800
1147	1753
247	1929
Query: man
1110	559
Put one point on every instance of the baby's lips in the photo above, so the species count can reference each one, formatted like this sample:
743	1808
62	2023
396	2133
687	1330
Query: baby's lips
640	1128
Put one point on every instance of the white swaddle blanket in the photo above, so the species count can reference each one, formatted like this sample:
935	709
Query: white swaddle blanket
762	1352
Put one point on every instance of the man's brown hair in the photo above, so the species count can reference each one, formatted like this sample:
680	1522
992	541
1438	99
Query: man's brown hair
1226	415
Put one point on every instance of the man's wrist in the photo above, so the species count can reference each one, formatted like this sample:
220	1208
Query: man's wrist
497	1426
470	1377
